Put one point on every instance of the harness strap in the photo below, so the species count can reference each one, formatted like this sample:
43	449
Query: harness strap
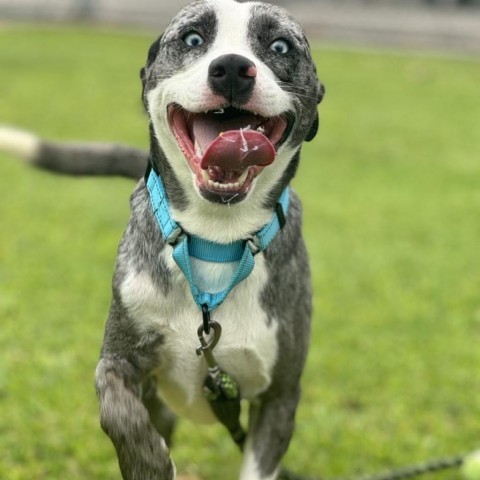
220	388
186	246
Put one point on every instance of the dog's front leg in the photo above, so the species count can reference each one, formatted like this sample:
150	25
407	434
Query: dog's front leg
141	450
271	427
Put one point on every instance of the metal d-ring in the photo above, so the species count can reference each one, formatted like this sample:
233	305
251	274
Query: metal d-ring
206	318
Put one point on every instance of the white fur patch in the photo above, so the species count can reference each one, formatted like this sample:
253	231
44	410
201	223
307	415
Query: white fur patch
17	142
247	349
250	470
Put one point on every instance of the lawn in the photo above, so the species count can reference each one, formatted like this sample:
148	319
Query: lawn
391	193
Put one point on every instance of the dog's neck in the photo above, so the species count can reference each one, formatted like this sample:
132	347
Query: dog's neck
162	207
221	223
239	254
215	222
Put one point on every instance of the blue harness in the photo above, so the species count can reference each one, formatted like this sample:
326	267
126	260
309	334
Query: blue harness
219	388
186	246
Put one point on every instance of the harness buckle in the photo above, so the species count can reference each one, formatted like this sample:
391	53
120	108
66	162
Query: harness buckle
175	236
254	245
280	215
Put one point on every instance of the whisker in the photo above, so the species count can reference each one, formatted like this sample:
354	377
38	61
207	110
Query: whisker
297	90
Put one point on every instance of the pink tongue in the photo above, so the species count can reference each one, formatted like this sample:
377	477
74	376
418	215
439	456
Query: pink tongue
238	149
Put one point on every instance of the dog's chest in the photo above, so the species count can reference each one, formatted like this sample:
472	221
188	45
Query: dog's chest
247	349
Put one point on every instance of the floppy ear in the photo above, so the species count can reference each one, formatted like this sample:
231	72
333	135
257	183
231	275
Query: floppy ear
152	55
313	129
316	122
153	50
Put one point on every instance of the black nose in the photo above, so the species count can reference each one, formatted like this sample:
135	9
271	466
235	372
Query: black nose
232	77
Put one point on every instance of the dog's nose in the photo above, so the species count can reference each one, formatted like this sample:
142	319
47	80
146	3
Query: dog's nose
233	77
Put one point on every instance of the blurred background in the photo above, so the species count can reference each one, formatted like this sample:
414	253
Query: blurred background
452	25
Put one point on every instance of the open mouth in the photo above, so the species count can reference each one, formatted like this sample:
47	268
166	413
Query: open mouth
227	148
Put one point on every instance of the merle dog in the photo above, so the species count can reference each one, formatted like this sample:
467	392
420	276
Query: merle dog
231	91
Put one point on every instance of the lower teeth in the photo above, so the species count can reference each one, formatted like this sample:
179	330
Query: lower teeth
224	186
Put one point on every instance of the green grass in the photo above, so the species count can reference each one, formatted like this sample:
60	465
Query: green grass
391	192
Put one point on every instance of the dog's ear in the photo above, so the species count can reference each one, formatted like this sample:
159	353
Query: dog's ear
143	77
153	50
316	122
313	129
152	55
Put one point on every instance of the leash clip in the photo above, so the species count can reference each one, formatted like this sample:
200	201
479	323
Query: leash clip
206	346
219	388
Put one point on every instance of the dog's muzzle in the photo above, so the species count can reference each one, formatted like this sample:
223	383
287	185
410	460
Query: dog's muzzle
228	146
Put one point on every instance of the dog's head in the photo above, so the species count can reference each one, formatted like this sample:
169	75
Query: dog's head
232	93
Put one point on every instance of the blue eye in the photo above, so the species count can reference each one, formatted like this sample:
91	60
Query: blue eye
193	40
280	46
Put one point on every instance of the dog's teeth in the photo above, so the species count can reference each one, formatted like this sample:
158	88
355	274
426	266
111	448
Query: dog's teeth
261	130
198	150
223	186
243	177
220	111
226	186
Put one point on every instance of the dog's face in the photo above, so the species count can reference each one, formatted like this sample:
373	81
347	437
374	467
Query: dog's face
232	92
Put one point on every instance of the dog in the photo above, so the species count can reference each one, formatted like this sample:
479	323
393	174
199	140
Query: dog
231	92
